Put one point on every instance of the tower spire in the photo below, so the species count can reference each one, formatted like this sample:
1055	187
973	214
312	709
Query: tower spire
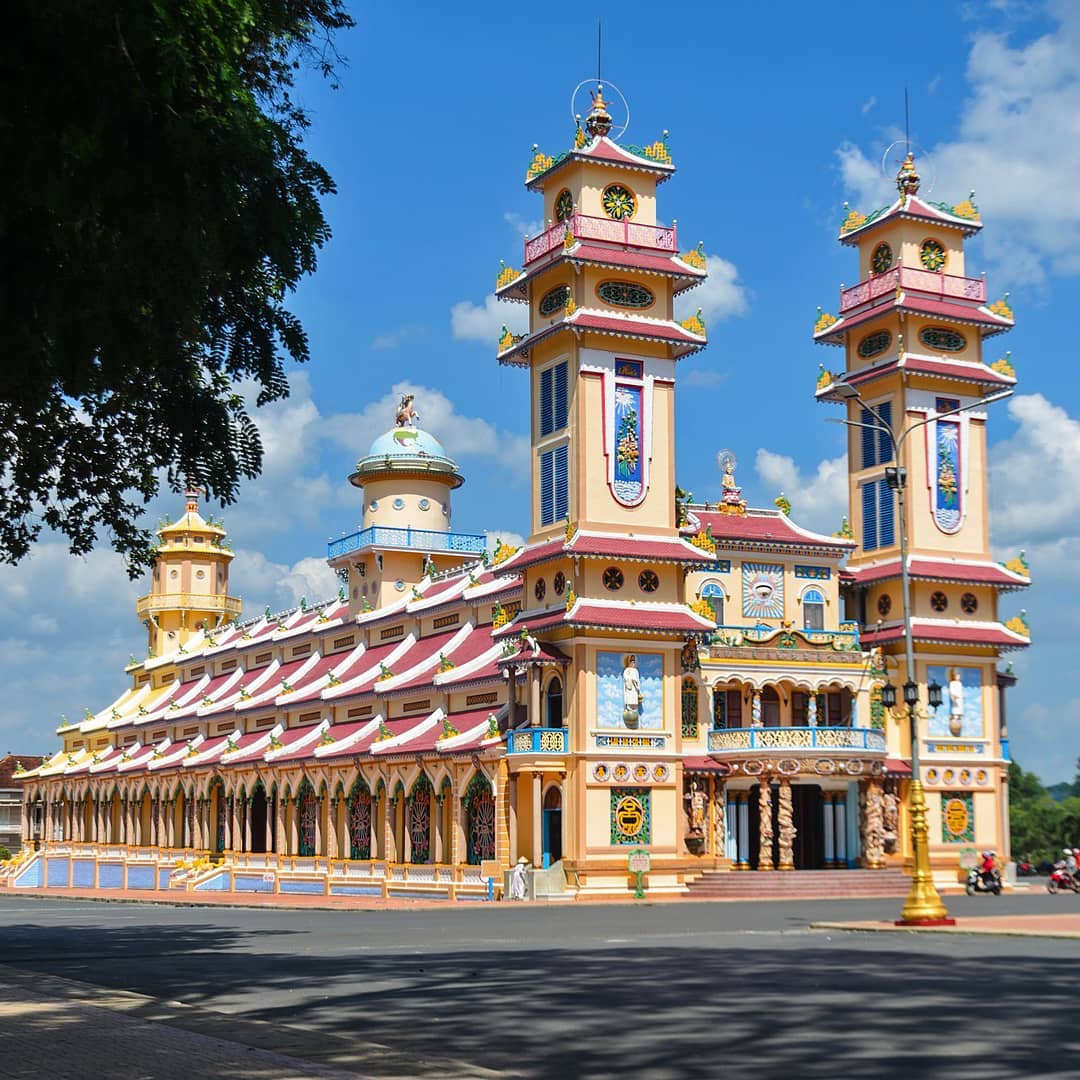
907	179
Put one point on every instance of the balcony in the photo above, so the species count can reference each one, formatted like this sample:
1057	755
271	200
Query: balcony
738	742
829	645
386	536
938	286
606	230
155	602
538	740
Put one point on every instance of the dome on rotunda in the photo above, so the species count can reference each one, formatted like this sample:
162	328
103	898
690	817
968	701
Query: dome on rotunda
406	448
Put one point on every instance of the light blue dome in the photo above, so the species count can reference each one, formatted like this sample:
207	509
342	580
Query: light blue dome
406	450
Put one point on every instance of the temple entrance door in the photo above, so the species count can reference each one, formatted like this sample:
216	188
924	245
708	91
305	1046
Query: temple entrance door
552	823
257	811
807	810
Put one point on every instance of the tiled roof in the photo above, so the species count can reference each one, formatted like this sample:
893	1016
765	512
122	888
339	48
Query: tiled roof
911	206
959	570
763	527
594	545
948	632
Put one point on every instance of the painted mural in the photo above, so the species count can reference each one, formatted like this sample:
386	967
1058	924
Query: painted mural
623	679
947	470
960	713
629	482
763	590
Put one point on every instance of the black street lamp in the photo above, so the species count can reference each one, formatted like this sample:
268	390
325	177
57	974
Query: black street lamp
888	696
911	693
933	694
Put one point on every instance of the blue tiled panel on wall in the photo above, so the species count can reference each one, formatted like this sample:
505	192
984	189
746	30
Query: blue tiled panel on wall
355	890
302	886
221	883
56	873
30	878
140	877
82	874
252	884
110	876
407	894
163	879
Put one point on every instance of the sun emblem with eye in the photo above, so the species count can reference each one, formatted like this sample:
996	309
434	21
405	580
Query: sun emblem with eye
763	590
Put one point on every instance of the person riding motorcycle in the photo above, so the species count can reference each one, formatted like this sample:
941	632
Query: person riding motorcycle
988	868
1076	863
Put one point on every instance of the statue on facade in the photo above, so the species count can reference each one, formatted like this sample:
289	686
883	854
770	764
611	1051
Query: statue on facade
785	820
406	415
956	702
719	824
890	819
696	803
731	500
765	827
873	826
632	697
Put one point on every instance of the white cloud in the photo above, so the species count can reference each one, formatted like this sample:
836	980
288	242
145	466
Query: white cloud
868	104
484	323
720	297
264	583
702	377
1018	146
523	226
391	339
818	501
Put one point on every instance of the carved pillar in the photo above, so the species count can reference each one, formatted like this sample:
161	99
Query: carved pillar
512	786
247	823
840	820
236	842
292	812
537	818
765	823
828	813
755	710
719	822
786	821
332	828
873	826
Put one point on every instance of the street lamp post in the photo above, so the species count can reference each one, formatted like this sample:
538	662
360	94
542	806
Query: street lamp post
924	905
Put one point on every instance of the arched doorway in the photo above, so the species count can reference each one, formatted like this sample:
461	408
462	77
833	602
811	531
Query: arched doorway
553	714
146	819
359	821
418	820
257	811
479	820
307	808
217	817
552	826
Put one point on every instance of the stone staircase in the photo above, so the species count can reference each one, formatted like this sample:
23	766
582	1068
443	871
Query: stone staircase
798	884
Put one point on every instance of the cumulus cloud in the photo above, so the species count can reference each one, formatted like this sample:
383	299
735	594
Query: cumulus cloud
702	377
484	322
819	499
720	297
391	339
523	226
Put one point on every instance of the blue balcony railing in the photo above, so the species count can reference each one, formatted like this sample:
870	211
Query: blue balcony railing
387	536
846	638
538	740
789	740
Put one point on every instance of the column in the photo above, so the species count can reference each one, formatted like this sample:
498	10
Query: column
236	842
538	835
827	810
512	787
321	809
280	839
744	831
332	828
437	855
716	823
840	822
247	823
786	821
765	823
874	826
731	834
292	814
536	718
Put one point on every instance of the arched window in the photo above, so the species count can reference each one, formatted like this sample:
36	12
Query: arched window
554	711
770	707
418	819
713	595
813	610
359	820
689	708
479	820
307	809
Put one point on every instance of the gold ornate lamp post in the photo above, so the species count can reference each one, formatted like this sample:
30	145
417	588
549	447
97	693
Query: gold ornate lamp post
923	905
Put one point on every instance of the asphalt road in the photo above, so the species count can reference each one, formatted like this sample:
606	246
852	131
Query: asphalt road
653	990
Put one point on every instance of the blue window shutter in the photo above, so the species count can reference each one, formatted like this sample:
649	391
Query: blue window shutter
886	514
562	483
546	421
884	445
560	396
869	440
547	488
869	516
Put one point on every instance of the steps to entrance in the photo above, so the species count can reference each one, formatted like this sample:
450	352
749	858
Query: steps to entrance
798	884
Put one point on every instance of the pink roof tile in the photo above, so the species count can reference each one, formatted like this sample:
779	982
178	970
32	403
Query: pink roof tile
644	620
977	573
950	634
764	527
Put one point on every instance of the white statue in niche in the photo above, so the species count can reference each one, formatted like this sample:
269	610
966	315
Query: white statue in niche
632	698
956	702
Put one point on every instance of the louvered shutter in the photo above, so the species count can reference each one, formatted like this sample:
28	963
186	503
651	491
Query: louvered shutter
562	483
547	425
886	515
547	488
869	440
869	516
884	444
560	395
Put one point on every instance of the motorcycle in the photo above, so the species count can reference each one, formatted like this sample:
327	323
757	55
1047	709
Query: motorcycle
977	883
1061	880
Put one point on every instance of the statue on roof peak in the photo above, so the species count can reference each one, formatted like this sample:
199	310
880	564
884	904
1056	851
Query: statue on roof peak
406	414
908	179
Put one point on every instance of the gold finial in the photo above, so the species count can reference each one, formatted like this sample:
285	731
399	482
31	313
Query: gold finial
192	493
598	122
908	179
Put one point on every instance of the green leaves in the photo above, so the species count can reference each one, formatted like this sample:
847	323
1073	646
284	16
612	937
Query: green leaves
160	209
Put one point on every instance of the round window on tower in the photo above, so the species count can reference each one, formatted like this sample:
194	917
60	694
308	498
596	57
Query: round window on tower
564	205
174	573
613	579
969	603
559	584
423	504
884	604
200	574
373	505
939	601
399	585
932	255
619	202
399	504
540	589
648	581
882	259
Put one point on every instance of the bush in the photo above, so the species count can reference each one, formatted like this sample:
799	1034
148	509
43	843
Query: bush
4	853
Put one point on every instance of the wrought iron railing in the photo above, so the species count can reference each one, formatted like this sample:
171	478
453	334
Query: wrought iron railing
389	536
538	740
943	286
630	233
792	739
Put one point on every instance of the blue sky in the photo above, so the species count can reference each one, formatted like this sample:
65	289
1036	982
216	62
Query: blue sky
775	120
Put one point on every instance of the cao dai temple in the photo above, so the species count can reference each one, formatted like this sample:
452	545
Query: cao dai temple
700	682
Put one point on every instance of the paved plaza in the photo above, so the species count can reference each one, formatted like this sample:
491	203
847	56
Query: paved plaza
656	990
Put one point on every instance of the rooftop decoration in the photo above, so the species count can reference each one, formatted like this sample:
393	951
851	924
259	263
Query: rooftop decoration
326	739
507	340
445	664
19	768
448	730
1018	624
704	540
598	122
286	687
695	257
908	179
580	138
683	499
1004	366
1019	565
384	672
499	616
731	500
502	552
571	531
333	680
1001	307
844	532
571	598
571	307
825	377
967	208
493	727
540	163
384	732
695	324
275	742
824	321
852	220
783	503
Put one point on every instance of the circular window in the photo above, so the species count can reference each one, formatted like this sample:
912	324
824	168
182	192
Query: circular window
200	574
423	504
939	601
648	581
613	579
373	505
564	205
399	585
399	504
881	260
873	344
625	294
932	255
559	583
173	573
555	300
540	589
618	202
884	604
942	338
969	603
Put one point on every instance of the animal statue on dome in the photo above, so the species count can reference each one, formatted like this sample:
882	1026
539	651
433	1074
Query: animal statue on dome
406	415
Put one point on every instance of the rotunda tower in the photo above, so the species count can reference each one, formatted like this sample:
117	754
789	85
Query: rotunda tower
190	582
406	478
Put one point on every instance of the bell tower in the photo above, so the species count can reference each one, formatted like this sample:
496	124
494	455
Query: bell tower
914	331
190	583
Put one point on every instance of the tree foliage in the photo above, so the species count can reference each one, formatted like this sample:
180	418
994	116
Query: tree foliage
1040	824
159	207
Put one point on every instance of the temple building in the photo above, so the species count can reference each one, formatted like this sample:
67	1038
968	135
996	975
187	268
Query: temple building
649	683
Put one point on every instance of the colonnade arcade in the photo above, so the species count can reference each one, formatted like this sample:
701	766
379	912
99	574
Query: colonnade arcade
422	816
